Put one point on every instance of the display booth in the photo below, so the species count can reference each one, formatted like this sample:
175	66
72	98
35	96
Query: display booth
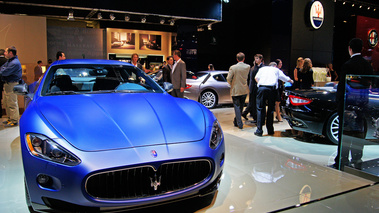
359	148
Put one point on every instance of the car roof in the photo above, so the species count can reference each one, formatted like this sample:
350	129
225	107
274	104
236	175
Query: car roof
214	71
90	61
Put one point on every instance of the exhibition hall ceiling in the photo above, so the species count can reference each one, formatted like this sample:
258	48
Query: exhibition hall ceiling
163	12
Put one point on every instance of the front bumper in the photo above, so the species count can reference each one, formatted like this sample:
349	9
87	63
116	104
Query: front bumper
69	192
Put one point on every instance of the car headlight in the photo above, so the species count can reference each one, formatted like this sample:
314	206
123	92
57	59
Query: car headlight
43	147
216	135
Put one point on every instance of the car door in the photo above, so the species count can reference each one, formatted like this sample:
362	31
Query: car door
223	88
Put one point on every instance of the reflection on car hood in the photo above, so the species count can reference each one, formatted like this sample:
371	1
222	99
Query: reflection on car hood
121	120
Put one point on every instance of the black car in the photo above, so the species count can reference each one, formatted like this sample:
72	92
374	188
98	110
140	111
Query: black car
315	111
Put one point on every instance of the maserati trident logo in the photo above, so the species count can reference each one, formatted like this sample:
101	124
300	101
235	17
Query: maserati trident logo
316	15
156	182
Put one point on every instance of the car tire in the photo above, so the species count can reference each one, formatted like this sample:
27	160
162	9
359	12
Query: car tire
209	99
331	129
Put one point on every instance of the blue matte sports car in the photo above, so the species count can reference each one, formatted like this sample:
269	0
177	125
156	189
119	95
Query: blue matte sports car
100	135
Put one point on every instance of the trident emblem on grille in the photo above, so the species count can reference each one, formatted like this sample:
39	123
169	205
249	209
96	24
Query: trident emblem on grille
155	183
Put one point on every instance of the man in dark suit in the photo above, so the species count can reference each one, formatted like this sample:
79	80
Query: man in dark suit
357	65
167	69
179	75
252	106
38	71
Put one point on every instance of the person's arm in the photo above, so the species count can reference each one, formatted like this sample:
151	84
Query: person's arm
295	75
183	77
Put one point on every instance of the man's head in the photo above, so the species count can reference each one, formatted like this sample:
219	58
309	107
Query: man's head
273	64
258	58
355	46
39	63
240	57
10	52
60	55
170	60
177	55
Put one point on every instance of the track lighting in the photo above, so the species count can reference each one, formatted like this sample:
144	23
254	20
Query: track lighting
70	15
209	26
99	16
112	17
143	19
162	21
127	18
172	22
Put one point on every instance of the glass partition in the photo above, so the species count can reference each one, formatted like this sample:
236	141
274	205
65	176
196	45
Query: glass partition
359	148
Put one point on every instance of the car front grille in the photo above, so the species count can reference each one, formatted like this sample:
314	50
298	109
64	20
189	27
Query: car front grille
145	181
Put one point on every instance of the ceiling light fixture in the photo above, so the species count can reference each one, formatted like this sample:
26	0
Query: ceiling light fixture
127	18
162	21
143	19
70	15
112	17
172	22
99	16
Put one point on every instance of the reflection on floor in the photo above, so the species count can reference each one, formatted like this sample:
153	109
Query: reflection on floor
261	174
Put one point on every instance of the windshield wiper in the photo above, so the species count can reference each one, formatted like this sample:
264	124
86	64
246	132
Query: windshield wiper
62	93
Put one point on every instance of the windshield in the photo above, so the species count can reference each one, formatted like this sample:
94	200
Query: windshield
80	79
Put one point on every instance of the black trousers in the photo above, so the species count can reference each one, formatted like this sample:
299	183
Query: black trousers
266	94
238	103
177	93
252	106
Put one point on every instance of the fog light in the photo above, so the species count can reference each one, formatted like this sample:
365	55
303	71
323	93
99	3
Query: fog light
44	180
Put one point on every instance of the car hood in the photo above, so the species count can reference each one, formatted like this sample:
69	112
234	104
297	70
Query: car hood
122	120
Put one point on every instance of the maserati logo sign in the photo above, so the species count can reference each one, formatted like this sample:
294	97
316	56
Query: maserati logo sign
155	182
154	153
316	15
373	38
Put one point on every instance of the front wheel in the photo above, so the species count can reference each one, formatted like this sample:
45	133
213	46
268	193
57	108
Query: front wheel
332	128
208	99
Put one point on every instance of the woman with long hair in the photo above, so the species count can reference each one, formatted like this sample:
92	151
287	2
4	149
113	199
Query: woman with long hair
299	66
305	75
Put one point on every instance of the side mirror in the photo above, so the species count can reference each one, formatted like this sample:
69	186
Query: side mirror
168	87
21	89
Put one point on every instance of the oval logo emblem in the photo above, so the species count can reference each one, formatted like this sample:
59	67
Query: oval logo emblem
373	38
316	15
154	153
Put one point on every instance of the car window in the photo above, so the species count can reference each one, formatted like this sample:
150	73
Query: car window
79	79
219	77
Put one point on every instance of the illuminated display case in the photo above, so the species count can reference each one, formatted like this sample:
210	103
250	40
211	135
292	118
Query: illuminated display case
359	148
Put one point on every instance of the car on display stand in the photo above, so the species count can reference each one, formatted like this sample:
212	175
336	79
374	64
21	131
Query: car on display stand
315	110
210	88
100	135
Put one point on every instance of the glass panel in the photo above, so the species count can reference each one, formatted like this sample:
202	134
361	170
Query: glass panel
359	148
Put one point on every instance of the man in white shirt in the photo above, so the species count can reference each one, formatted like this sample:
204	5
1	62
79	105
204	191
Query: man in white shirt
267	82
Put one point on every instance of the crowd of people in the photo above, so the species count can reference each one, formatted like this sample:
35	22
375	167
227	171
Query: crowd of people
264	86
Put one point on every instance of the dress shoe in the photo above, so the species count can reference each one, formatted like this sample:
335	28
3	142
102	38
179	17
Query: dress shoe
235	124
244	116
258	134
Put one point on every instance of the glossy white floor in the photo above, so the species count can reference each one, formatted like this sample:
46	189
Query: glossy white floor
261	174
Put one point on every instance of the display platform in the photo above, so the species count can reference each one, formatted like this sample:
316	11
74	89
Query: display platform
262	174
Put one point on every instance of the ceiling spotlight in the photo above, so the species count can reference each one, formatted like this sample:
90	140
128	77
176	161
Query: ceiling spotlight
368	8
352	5
99	16
70	15
360	7
127	18
209	26
344	3
172	22
374	9
112	17
162	21
143	19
